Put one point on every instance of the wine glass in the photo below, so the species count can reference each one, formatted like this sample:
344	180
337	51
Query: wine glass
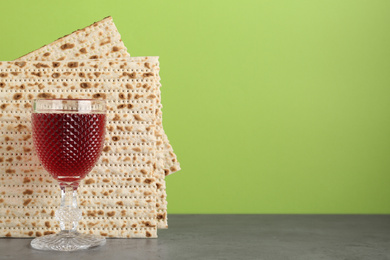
68	137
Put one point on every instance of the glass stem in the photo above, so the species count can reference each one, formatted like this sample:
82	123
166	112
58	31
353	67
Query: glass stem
68	214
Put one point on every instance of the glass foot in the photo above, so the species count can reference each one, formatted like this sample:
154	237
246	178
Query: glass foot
67	241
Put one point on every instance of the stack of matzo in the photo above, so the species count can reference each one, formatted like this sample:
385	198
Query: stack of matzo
124	196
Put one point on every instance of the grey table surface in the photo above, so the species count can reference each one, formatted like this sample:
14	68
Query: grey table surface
302	237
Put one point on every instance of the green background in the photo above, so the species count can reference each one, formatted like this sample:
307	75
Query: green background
271	106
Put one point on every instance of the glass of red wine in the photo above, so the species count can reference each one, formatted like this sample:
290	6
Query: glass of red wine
68	137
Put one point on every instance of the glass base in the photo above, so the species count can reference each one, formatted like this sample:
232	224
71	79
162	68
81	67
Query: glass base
67	241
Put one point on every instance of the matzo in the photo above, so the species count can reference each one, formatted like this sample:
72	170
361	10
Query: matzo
100	40
92	42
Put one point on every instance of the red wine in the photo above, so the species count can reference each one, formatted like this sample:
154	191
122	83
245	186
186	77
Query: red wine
68	145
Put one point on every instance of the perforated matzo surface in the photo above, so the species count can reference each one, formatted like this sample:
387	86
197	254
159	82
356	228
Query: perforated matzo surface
118	197
100	40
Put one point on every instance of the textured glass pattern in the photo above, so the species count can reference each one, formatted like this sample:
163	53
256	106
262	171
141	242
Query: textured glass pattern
68	144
